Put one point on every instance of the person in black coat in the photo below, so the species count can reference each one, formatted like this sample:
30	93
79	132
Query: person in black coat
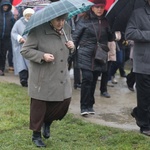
6	24
85	38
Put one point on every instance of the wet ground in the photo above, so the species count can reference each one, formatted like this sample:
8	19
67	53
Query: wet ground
114	111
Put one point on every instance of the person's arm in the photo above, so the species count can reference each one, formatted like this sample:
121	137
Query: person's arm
134	31
30	48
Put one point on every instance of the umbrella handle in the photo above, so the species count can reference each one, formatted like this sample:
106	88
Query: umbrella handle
65	35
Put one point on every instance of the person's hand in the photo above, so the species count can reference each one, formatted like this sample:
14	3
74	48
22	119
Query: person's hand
118	35
22	40
48	57
70	44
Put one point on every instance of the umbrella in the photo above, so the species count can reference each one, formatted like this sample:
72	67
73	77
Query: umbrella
16	2
54	10
83	9
32	3
119	14
109	3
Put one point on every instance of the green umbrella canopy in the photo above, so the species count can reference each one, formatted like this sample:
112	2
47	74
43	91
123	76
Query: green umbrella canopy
55	10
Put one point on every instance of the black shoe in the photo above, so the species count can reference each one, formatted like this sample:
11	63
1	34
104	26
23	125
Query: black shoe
84	112
145	132
37	140
24	83
134	115
77	86
91	111
123	75
131	89
46	130
105	94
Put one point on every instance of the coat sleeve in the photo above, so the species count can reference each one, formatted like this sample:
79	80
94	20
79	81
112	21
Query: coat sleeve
30	48
134	31
77	34
14	32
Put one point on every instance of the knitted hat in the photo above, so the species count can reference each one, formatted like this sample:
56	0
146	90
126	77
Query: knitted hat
99	2
28	11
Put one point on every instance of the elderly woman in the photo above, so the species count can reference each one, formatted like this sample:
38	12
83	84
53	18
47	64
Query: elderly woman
49	80
91	28
20	63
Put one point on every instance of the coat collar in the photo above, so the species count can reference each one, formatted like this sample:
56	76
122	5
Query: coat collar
48	29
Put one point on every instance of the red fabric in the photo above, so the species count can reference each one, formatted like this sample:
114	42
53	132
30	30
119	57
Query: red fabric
109	3
16	2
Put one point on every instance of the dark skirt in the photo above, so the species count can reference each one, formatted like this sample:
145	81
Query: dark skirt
46	112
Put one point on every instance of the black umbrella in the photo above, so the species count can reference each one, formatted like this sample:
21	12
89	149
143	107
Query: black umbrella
120	12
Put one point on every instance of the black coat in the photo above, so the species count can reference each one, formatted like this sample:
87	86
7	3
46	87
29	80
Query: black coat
6	20
85	38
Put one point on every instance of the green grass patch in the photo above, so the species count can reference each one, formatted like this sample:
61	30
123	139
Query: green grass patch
69	134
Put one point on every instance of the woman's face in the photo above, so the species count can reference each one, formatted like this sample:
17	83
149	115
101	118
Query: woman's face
58	23
28	16
98	10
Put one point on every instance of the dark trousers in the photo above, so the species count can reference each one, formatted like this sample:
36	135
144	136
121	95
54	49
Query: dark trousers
142	111
5	45
131	79
104	78
119	63
77	76
10	57
89	79
46	112
23	75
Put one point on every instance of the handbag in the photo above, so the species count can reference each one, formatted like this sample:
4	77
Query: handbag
101	51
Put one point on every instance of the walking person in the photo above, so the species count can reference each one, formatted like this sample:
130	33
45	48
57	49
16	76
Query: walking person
76	71
20	63
105	75
138	30
49	80
85	37
130	79
6	24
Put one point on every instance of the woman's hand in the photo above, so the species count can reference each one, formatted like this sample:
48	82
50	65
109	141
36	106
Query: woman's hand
48	57
22	40
70	44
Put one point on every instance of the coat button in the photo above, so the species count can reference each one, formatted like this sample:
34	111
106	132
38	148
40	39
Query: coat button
62	71
61	82
61	60
61	49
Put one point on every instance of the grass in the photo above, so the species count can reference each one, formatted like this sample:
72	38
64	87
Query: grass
69	134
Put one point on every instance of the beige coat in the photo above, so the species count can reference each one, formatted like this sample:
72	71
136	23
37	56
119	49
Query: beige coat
112	52
48	81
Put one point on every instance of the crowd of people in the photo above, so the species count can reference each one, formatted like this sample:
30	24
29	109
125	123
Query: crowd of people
43	58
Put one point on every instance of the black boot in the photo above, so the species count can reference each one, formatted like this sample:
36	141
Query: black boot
37	140
46	130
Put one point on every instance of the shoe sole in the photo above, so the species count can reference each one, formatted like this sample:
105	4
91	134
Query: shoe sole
92	113
144	133
105	96
84	114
